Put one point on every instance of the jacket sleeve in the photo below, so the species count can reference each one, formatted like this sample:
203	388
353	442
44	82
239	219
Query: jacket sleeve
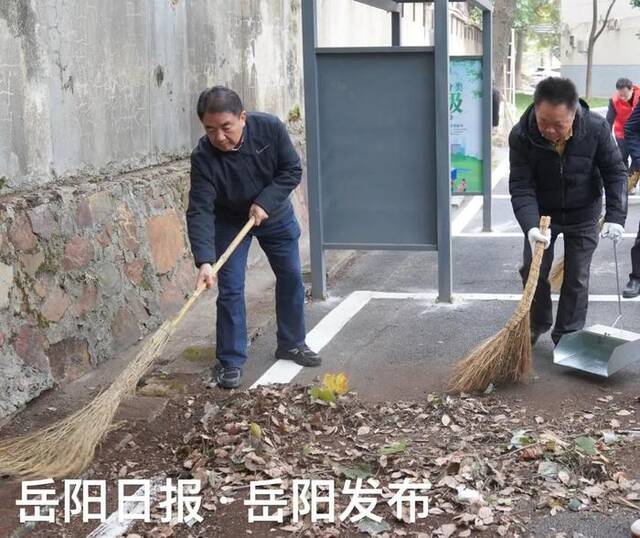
201	217
522	185
611	114
614	176
632	137
288	172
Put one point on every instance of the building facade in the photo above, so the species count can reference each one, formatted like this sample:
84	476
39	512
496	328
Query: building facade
616	53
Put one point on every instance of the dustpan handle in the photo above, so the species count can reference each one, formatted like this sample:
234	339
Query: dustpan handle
615	258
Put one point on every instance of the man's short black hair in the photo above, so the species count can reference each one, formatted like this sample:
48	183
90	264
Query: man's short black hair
624	83
219	99
556	91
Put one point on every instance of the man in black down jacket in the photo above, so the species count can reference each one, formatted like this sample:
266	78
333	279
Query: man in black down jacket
632	137
244	166
561	156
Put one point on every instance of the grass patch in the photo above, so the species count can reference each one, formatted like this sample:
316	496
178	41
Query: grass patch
523	100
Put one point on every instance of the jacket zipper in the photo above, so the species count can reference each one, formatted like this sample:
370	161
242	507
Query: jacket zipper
563	183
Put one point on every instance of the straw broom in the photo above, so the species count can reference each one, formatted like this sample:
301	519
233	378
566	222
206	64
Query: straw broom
69	445
505	357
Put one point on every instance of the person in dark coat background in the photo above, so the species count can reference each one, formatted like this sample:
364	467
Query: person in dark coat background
562	156
632	137
245	165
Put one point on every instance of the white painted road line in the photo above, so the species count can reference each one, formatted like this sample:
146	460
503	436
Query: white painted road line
501	235
433	295
633	198
318	337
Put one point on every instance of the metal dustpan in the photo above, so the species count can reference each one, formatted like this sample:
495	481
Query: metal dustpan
599	349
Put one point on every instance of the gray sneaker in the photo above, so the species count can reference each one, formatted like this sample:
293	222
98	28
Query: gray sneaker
227	377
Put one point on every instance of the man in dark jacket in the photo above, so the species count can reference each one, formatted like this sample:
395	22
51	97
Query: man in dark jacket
632	137
244	166
561	157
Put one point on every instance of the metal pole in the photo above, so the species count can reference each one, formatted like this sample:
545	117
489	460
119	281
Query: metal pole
318	267
487	118
395	29
443	159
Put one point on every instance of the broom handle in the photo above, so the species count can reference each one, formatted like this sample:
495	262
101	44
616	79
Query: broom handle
534	268
221	261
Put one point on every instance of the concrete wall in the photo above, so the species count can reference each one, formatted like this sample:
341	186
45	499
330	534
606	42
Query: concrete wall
616	51
90	87
604	77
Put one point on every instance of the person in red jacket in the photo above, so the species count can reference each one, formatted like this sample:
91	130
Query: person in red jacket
627	96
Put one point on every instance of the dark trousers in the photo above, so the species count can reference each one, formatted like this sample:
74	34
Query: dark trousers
580	243
279	241
635	258
624	151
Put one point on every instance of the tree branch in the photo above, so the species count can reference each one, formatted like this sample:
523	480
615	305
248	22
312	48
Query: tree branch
606	19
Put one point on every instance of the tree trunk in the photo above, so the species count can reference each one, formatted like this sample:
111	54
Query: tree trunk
593	37
521	36
503	14
590	46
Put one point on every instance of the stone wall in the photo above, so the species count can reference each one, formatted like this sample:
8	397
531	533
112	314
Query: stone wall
85	272
87	269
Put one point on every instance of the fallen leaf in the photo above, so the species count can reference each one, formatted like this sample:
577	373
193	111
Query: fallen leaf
593	491
563	476
548	469
337	383
361	471
586	445
371	527
445	530
395	448
256	430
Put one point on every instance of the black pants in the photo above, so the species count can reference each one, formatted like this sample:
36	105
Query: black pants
580	242
624	151
635	258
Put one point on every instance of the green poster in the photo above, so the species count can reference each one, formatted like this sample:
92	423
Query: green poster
465	125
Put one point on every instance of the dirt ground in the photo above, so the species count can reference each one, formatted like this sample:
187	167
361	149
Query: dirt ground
494	468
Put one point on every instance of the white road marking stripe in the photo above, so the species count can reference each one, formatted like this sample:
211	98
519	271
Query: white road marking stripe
500	235
318	337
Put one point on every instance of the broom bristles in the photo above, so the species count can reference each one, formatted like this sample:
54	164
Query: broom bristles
505	357
68	446
502	358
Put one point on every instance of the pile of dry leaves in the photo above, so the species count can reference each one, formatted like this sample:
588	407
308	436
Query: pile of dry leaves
490	465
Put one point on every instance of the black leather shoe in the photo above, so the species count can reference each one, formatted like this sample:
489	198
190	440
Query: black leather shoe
301	355
632	289
227	377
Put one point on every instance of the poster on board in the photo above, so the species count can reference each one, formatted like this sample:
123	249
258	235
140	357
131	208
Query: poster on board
465	125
